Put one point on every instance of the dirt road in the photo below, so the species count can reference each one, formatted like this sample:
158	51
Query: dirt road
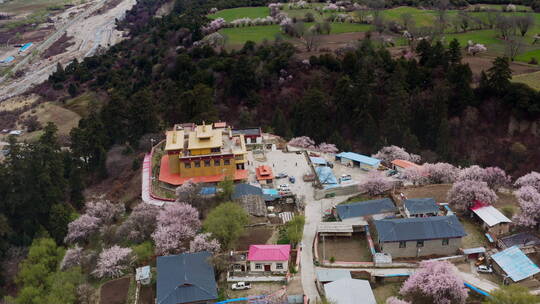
88	32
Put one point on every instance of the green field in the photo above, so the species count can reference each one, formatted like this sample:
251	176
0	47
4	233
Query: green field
239	35
531	79
241	12
420	17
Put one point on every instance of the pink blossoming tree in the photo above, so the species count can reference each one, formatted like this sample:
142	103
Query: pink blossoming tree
532	179
473	173
327	148
495	177
394	300
113	262
376	184
302	142
105	211
176	225
416	175
441	173
434	282
463	194
140	224
529	202
73	257
82	228
204	242
390	153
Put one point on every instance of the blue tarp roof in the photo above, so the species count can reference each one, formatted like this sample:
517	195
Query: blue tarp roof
366	208
8	59
185	278
25	47
515	263
326	176
359	158
318	160
270	194
421	205
208	190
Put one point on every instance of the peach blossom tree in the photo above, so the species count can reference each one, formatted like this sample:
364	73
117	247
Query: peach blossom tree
463	194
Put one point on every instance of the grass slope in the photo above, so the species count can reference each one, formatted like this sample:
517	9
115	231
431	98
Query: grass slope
241	12
239	35
531	79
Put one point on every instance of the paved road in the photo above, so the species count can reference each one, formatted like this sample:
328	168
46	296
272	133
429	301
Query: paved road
145	190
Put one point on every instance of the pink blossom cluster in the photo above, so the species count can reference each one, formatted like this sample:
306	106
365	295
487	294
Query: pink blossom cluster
176	225
434	282
106	211
275	8
331	7
529	200
298	5
495	177
140	224
531	179
463	194
390	153
214	26
441	173
73	257
213	10
394	300
204	242
309	144
82	228
376	184
113	262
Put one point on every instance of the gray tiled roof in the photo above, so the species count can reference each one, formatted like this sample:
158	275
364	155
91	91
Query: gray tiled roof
423	228
185	278
365	208
421	205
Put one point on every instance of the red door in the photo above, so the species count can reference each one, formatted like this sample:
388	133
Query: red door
266	267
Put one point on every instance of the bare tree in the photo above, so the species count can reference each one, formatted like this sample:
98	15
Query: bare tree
505	25
407	20
376	6
379	24
464	20
441	8
514	44
524	23
491	18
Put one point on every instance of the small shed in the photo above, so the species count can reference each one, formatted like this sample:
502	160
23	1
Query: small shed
519	239
334	229
514	264
421	207
349	291
318	161
400	165
474	253
143	275
358	160
493	221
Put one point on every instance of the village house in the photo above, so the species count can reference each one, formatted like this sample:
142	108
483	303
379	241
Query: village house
420	207
514	266
269	258
264	175
358	160
522	239
420	236
251	135
202	153
493	221
357	213
250	198
186	278
400	165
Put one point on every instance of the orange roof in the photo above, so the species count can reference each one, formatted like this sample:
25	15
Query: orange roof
404	163
175	179
264	173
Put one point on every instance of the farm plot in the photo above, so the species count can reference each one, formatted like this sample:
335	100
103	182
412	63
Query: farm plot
531	79
241	12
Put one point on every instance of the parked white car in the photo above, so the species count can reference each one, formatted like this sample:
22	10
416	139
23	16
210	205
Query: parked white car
241	286
284	187
484	269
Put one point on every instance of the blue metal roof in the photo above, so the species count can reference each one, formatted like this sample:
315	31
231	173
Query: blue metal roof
326	176
515	263
246	189
359	158
8	59
185	278
421	205
365	208
318	160
208	190
26	46
419	228
270	194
